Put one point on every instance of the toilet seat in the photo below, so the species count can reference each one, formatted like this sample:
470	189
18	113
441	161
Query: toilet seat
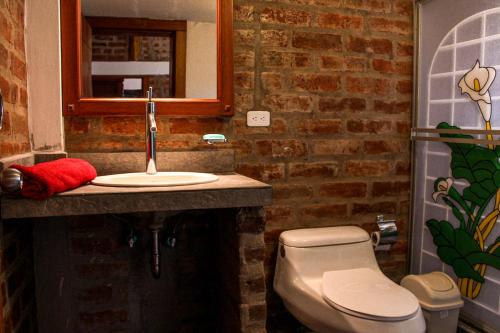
369	294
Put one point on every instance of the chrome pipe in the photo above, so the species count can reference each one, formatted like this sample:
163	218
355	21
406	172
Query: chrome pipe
155	254
150	134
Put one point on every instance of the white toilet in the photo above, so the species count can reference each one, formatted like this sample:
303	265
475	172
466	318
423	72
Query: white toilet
329	280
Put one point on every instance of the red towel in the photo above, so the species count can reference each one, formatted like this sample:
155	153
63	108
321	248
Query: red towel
43	180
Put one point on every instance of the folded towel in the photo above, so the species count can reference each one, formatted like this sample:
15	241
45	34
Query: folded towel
43	180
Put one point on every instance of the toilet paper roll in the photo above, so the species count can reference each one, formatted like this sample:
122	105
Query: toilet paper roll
386	236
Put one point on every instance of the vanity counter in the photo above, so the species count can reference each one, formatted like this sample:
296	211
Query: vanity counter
231	190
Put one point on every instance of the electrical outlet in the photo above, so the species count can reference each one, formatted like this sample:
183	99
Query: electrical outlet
258	118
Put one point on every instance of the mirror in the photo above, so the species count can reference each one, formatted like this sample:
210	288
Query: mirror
113	50
170	45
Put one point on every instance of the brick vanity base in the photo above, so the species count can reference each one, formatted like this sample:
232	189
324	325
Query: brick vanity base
89	280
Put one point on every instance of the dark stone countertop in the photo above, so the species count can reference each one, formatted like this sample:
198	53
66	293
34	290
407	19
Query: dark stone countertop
231	190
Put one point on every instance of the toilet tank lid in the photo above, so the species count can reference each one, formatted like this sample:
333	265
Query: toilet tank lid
323	236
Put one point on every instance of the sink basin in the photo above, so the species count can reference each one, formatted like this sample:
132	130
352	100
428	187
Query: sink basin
141	179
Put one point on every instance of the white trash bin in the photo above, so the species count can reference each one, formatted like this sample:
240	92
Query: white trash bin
439	299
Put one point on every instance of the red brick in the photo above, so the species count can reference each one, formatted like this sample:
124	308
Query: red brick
403	168
285	16
277	38
337	21
336	147
332	62
7	90
244	37
127	125
242	147
4	57
195	126
272	81
369	126
387	66
404	49
19	42
278	216
374	45
316	41
292	191
319	126
18	67
377	147
341	104
244	80
385	207
77	125
368	85
314	170
5	28
391	107
281	148
244	59
243	13
243	101
382	6
279	126
325	211
380	24
288	103
390	188
266	172
343	190
316	82
275	59
405	87
175	144
301	60
363	168
403	127
23	97
403	7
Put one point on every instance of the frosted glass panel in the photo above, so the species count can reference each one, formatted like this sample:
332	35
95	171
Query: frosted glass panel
457	152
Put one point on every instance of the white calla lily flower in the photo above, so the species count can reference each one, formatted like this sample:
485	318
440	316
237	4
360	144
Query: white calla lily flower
442	188
476	84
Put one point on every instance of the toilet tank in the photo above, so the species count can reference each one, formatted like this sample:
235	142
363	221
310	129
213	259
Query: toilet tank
311	252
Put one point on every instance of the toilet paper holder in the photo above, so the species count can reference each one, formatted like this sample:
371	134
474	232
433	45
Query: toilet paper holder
386	235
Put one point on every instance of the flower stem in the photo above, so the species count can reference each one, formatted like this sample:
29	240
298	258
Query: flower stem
489	136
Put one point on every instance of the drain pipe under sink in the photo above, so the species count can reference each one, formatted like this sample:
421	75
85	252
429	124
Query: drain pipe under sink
155	253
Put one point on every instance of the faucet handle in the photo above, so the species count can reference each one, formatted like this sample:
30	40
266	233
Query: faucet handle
214	138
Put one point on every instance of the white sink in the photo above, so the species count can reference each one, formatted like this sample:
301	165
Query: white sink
142	179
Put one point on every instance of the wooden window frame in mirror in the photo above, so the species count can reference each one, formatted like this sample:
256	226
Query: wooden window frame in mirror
74	103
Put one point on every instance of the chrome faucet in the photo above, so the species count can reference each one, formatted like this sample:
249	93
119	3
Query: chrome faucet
150	134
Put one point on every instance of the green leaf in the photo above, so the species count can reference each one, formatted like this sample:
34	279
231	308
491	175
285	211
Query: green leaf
484	258
476	164
456	212
458	249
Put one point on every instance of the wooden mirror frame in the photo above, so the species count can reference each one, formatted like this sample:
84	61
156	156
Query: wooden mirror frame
74	103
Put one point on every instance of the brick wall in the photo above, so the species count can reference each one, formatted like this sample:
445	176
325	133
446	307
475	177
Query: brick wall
110	48
17	282
336	76
14	136
17	305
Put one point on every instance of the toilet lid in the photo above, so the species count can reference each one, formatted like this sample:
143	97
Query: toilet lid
368	293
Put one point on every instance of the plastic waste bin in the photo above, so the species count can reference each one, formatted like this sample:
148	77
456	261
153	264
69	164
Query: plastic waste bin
439	299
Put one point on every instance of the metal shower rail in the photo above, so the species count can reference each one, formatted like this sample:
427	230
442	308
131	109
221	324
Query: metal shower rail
416	135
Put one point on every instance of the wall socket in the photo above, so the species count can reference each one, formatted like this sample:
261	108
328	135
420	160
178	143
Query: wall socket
258	118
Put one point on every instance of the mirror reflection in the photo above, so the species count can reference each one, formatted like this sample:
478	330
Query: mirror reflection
170	45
